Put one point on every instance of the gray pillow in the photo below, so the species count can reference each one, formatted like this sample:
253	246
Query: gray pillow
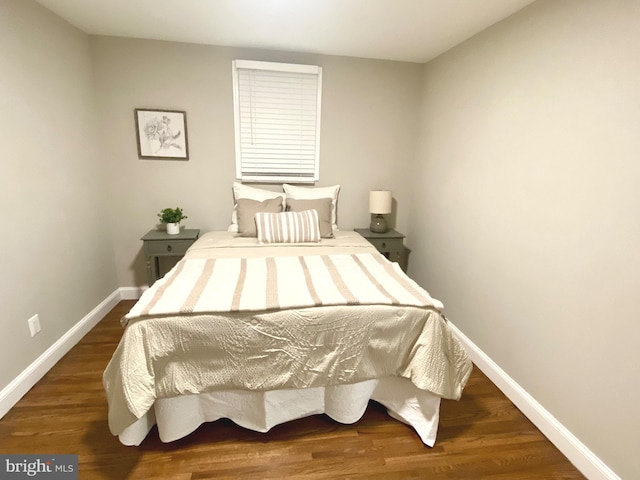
247	209
321	205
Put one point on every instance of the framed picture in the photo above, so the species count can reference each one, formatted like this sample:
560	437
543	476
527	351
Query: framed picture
161	134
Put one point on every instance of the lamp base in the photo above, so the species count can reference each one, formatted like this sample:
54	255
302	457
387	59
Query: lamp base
378	224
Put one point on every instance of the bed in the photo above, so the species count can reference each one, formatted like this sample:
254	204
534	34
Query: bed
265	332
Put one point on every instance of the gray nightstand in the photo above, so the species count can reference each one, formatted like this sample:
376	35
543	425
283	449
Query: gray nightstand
157	243
390	244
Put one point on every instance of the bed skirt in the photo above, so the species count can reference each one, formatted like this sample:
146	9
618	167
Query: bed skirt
177	417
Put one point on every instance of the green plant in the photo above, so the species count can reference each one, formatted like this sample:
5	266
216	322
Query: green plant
171	215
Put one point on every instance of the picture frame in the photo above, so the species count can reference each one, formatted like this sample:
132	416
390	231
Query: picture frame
161	134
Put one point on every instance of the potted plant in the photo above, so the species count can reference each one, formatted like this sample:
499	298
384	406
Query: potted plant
172	218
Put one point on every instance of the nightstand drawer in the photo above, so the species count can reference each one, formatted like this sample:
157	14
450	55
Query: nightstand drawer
167	247
386	244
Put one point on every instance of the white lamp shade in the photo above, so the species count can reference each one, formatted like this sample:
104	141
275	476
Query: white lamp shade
380	202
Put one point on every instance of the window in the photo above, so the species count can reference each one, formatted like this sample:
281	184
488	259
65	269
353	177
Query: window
277	121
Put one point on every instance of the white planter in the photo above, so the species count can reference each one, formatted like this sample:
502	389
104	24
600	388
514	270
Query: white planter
173	228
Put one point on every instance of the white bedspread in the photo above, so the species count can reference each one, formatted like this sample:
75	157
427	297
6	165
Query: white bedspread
280	325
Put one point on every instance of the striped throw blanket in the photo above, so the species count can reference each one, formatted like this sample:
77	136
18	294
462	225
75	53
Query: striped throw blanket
211	285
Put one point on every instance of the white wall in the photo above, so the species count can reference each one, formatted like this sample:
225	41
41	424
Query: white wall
529	173
57	258
369	121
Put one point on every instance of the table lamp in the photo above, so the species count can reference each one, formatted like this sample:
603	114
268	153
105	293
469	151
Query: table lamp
379	204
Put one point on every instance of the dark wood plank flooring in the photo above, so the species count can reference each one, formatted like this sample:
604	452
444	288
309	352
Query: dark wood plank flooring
483	436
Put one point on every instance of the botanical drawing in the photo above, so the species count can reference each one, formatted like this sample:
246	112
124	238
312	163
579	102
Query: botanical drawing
161	134
159	131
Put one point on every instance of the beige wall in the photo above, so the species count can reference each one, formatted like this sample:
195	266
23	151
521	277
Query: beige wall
529	170
57	254
369	121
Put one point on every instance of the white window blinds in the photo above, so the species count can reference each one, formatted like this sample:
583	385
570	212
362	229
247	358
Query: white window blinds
277	121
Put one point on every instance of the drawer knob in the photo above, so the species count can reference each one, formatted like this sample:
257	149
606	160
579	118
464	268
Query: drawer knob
169	248
384	244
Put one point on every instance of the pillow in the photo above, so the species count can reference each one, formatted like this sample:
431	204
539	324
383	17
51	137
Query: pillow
312	193
253	193
321	205
247	209
288	227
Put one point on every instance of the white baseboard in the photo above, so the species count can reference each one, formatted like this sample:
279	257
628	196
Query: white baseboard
12	393
131	293
584	459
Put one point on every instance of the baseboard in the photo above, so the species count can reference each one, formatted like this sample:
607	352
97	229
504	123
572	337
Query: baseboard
584	459
12	393
131	293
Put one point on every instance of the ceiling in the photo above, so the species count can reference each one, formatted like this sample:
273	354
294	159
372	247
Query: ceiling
404	30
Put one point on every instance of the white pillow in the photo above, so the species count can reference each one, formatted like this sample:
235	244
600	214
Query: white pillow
312	193
252	193
288	227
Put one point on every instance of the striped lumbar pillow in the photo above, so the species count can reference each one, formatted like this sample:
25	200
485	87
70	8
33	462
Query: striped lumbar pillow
288	227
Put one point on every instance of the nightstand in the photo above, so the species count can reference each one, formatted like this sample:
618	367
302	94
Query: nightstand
390	243
157	243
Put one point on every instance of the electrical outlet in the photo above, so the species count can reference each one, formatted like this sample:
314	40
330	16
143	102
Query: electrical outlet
34	325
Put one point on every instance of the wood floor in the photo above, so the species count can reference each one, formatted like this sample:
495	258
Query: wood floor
483	436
